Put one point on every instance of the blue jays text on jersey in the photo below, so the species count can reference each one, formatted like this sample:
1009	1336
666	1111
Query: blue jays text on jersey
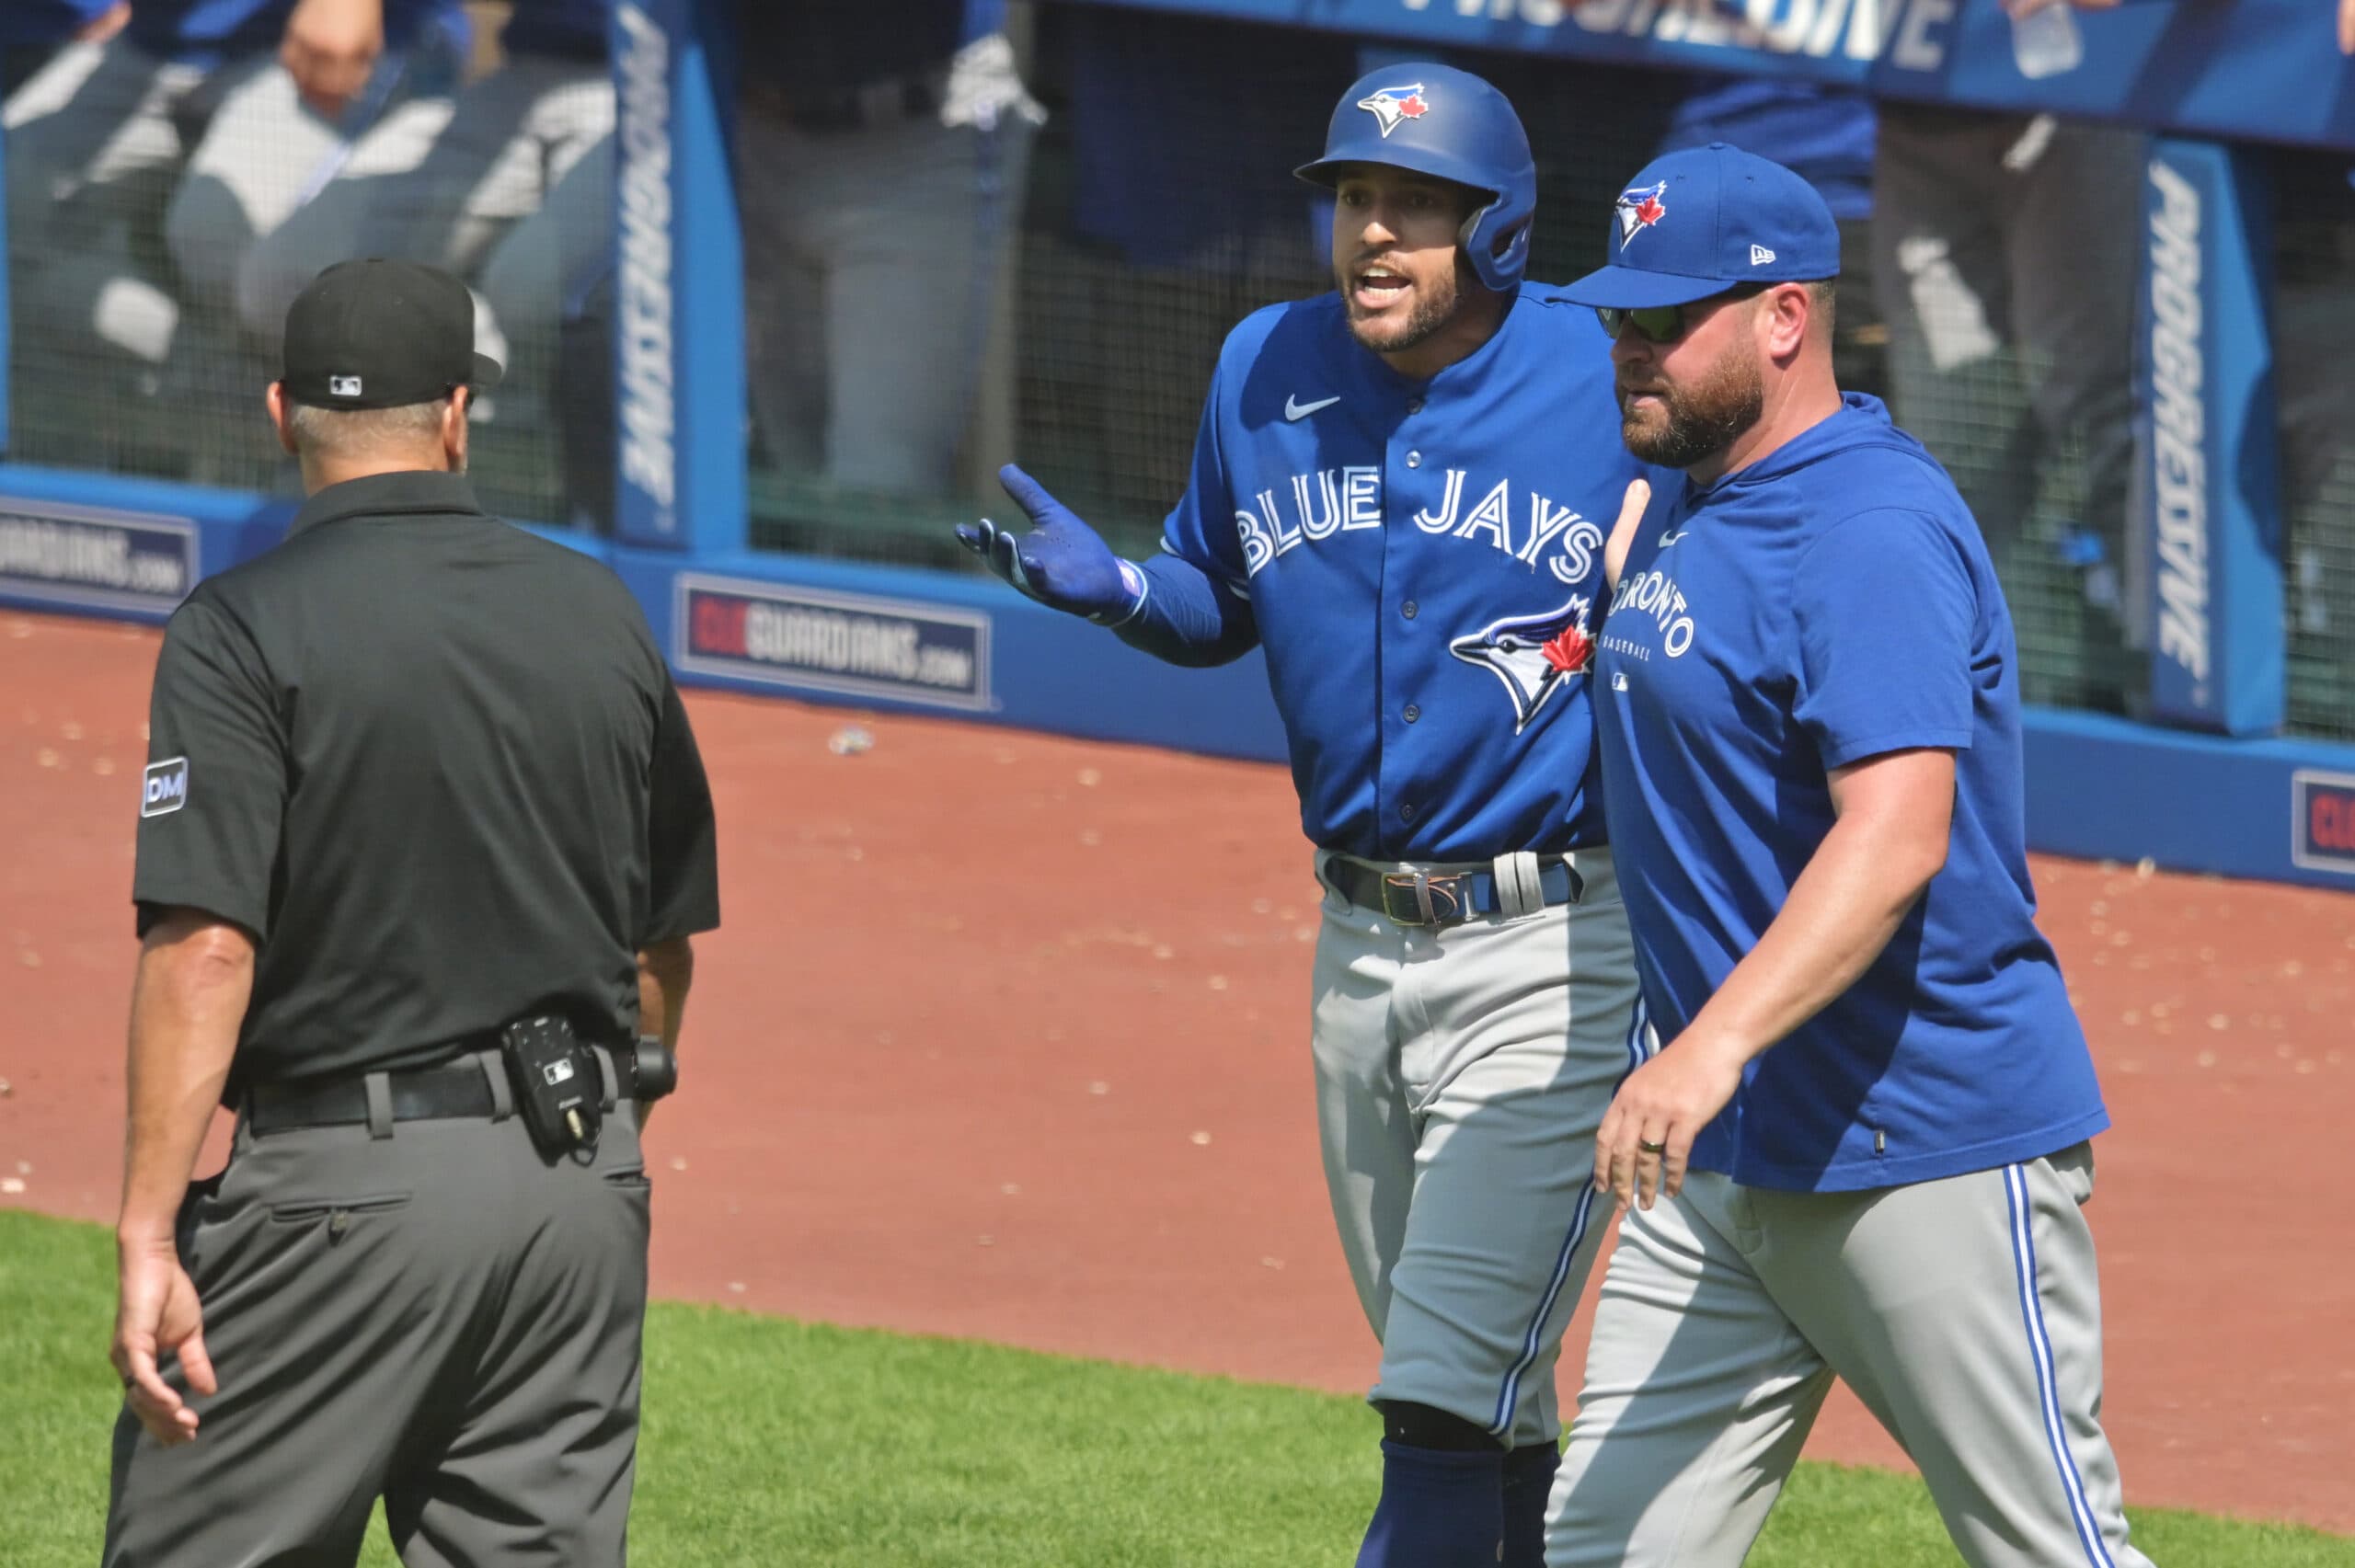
1423	562
1831	603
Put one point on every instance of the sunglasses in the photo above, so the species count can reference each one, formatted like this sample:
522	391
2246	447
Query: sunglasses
1664	324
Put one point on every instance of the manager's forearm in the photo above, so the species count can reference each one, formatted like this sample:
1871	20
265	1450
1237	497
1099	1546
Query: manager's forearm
1848	902
188	1002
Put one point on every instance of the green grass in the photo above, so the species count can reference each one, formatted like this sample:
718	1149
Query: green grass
775	1442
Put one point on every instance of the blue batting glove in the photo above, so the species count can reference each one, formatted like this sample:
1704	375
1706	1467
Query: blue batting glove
1061	562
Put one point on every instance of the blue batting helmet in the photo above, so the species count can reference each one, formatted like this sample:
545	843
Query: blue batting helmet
1438	121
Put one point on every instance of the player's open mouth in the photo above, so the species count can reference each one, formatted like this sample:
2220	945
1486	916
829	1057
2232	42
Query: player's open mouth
1378	287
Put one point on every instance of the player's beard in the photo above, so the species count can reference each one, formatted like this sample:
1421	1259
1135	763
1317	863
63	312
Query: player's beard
1436	304
1690	425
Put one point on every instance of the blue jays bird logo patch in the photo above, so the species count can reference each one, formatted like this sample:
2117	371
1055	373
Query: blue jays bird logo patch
1533	654
1393	107
1639	210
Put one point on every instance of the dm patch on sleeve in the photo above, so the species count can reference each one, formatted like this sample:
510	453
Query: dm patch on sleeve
167	787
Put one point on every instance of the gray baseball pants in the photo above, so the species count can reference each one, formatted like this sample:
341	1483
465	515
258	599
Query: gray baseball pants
1461	1073
1966	1315
440	1317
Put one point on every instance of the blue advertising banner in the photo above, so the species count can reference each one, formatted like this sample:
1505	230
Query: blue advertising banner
2264	69
678	339
2208	497
816	640
61	555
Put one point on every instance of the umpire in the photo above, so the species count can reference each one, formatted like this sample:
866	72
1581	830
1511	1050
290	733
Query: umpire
423	840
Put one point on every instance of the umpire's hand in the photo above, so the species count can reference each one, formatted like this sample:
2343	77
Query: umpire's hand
1061	562
156	1311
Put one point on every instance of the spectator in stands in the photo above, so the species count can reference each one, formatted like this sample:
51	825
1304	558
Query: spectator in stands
32	30
2003	255
882	151
1824	135
139	173
508	184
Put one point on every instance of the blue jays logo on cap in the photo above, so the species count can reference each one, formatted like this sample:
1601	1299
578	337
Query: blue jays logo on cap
1533	654
1638	209
1739	219
1392	106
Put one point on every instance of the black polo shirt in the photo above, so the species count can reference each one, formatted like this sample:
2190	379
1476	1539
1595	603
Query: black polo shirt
436	767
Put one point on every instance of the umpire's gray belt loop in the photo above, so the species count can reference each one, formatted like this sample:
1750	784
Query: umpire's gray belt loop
502	1092
379	1104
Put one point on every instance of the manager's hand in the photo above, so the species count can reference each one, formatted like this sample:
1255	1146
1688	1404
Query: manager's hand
1061	562
1645	1140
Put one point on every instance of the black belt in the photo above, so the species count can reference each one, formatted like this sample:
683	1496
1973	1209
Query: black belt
454	1089
1417	897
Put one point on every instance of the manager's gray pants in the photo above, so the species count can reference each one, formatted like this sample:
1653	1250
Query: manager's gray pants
440	1317
1966	1315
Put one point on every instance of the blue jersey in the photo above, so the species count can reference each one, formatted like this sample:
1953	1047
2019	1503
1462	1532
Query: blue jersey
1823	133
1422	561
33	23
572	29
1831	603
201	30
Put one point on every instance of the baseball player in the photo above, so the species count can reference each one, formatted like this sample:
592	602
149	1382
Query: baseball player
1396	492
1864	1147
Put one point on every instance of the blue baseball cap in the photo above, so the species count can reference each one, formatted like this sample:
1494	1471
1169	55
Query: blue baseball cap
1699	222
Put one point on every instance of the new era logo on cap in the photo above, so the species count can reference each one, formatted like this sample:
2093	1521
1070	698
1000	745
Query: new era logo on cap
1760	256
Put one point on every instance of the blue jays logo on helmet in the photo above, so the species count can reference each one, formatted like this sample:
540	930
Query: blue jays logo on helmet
1533	654
1393	107
1638	209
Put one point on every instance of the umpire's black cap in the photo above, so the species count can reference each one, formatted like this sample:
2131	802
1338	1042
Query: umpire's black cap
378	334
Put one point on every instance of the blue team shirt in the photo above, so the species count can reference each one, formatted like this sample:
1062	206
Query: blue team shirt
31	23
1823	133
574	29
1831	603
198	29
1422	561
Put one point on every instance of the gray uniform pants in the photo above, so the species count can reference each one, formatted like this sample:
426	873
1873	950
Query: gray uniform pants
469	185
440	1317
871	262
1966	1315
1461	1074
2004	259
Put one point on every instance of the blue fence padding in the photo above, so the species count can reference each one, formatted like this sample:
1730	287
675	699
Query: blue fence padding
2209	505
2268	70
127	549
2110	789
1039	670
840	633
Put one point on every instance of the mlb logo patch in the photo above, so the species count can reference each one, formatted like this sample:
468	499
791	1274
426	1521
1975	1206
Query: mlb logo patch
343	386
1393	107
165	788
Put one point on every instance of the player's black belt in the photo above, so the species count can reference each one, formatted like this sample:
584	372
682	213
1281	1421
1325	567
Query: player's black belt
1438	899
453	1090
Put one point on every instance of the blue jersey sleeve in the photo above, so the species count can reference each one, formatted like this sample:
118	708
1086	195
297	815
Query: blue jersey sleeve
1885	615
1201	529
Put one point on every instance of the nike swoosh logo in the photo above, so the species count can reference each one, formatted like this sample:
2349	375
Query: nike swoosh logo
1668	539
1296	410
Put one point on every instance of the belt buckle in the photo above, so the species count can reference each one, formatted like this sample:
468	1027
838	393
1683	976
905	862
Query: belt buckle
1438	901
